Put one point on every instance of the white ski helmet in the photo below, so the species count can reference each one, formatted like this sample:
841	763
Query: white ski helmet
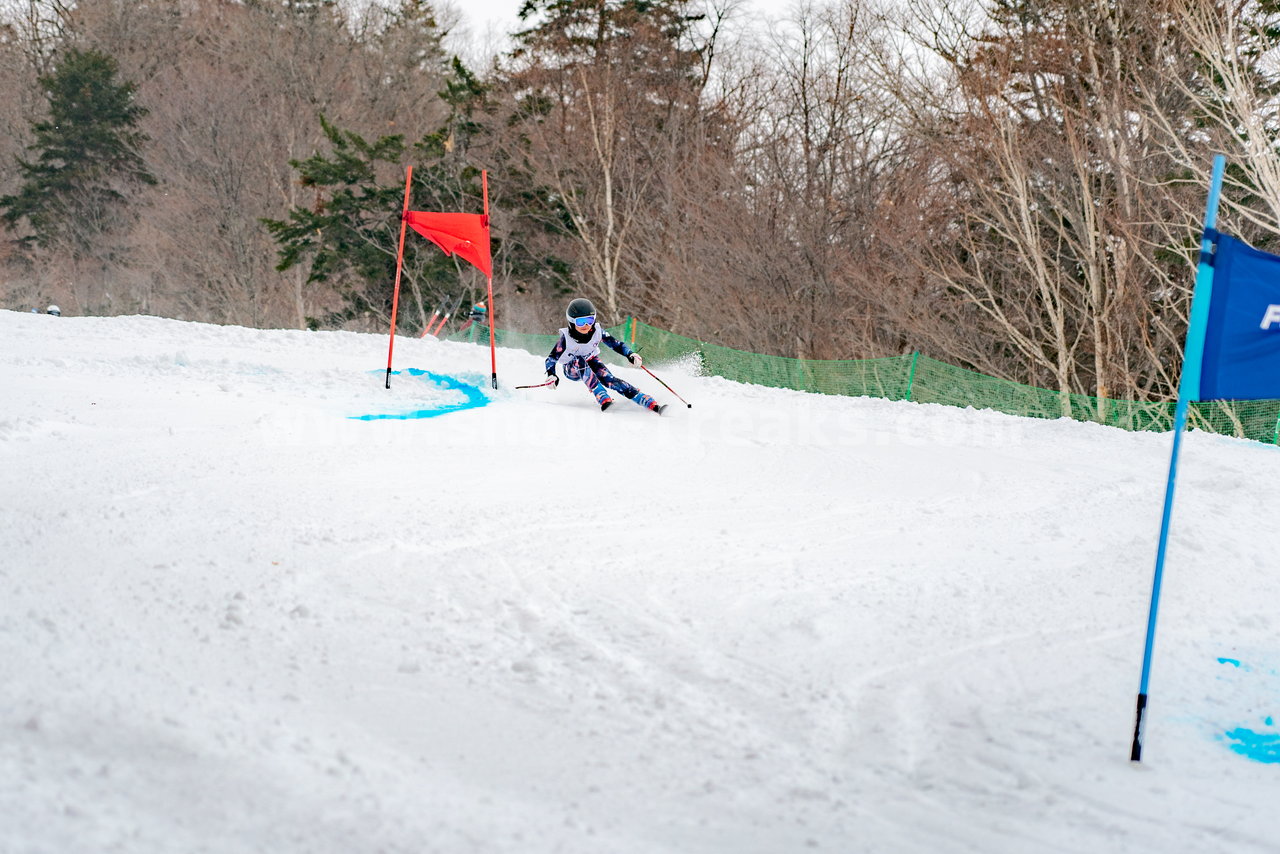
54	310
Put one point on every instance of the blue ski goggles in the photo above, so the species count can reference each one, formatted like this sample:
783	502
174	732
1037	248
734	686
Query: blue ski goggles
584	322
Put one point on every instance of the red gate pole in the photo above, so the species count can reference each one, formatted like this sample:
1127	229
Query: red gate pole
493	350
395	299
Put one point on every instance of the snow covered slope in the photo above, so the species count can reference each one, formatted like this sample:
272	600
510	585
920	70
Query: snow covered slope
236	617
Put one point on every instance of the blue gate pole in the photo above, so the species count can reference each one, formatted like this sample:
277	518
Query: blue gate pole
1188	390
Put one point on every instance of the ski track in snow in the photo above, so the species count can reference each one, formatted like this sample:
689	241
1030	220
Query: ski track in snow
236	619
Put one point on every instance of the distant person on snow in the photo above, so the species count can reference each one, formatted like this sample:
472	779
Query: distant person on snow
54	310
578	352
479	316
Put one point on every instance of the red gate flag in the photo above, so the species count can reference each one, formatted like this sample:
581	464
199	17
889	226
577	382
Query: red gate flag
462	234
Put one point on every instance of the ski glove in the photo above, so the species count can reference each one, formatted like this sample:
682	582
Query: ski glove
555	380
636	360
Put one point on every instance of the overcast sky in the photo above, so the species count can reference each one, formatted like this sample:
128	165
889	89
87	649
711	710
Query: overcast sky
490	21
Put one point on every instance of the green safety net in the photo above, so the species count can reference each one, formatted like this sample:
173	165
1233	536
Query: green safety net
912	377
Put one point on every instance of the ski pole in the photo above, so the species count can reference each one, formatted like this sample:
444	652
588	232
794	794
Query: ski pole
544	385
667	387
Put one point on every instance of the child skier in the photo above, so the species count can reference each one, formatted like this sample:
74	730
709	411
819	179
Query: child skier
578	350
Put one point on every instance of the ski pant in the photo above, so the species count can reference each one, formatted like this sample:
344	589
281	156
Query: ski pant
598	378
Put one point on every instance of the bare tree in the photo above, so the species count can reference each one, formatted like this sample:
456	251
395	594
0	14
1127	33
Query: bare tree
596	92
1046	155
40	26
235	92
1234	92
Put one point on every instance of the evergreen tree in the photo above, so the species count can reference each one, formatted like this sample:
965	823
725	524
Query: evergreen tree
87	152
605	104
534	231
350	235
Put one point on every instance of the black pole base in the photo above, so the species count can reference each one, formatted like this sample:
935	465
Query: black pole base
388	378
495	380
1135	753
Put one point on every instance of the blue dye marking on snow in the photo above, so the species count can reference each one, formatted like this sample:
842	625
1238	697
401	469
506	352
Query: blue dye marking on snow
473	398
1258	746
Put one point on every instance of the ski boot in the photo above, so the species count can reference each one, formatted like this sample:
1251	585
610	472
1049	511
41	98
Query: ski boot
648	402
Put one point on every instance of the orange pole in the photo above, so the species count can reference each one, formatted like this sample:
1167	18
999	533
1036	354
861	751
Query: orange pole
426	330
395	298
493	349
